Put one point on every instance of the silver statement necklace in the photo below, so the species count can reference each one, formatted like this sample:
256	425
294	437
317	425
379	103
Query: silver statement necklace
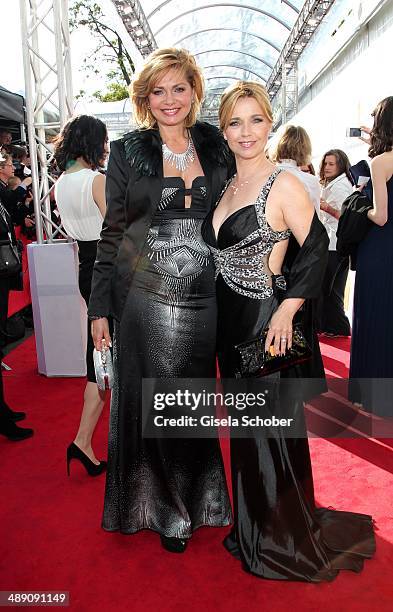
180	161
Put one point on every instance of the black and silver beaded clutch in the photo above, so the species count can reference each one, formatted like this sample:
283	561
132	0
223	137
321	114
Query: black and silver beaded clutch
254	361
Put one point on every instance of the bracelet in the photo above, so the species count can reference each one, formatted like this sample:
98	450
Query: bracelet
96	317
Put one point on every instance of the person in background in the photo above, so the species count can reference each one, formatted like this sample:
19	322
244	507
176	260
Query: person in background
293	151
5	140
21	161
372	331
28	228
8	417
337	185
80	151
14	200
14	182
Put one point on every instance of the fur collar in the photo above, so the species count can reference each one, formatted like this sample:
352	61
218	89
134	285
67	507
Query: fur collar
143	148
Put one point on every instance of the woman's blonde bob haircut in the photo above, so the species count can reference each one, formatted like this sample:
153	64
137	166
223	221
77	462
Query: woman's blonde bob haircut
243	89
294	144
157	65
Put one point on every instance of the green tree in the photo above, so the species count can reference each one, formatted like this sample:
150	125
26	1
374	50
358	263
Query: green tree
87	13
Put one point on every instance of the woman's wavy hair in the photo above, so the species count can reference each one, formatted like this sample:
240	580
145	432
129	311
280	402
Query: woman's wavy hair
157	65
83	136
343	165
294	144
381	137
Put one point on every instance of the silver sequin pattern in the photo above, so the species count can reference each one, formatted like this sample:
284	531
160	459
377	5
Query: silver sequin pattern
168	193
182	258
243	266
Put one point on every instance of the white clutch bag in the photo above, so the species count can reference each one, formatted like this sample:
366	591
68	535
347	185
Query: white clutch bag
103	368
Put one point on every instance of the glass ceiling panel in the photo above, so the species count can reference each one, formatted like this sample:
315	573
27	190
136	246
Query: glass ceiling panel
214	74
238	39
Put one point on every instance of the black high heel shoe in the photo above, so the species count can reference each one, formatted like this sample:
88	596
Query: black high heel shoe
74	452
174	545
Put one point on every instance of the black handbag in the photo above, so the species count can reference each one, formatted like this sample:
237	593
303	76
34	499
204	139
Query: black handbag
254	361
10	262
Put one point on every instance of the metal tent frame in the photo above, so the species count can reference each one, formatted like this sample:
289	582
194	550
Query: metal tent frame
50	82
52	263
47	82
281	83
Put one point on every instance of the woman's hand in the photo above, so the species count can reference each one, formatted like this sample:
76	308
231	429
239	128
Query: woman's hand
324	205
366	130
280	330
330	210
100	333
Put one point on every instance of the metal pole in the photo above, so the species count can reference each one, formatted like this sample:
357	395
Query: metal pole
67	60
284	94
39	120
61	84
29	90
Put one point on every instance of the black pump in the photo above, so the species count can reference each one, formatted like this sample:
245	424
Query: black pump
74	452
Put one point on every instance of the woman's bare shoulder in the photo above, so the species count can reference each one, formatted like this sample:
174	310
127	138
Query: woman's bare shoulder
288	180
290	184
98	185
383	164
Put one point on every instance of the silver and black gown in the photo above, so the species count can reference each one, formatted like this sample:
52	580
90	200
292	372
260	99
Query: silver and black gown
167	330
278	532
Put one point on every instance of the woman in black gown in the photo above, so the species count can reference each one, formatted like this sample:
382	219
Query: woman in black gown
372	332
278	532
154	274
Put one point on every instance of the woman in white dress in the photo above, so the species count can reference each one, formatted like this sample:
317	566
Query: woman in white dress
80	150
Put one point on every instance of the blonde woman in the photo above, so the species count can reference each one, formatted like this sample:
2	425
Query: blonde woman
155	275
293	152
278	532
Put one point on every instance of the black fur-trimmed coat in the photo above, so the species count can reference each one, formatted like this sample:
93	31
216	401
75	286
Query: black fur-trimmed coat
133	191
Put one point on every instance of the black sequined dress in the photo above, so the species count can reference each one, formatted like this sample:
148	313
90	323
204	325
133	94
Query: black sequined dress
278	532
168	329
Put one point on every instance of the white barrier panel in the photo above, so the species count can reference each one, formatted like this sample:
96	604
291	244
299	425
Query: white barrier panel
58	309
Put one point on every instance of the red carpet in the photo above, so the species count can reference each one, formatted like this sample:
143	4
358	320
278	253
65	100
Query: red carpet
50	527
